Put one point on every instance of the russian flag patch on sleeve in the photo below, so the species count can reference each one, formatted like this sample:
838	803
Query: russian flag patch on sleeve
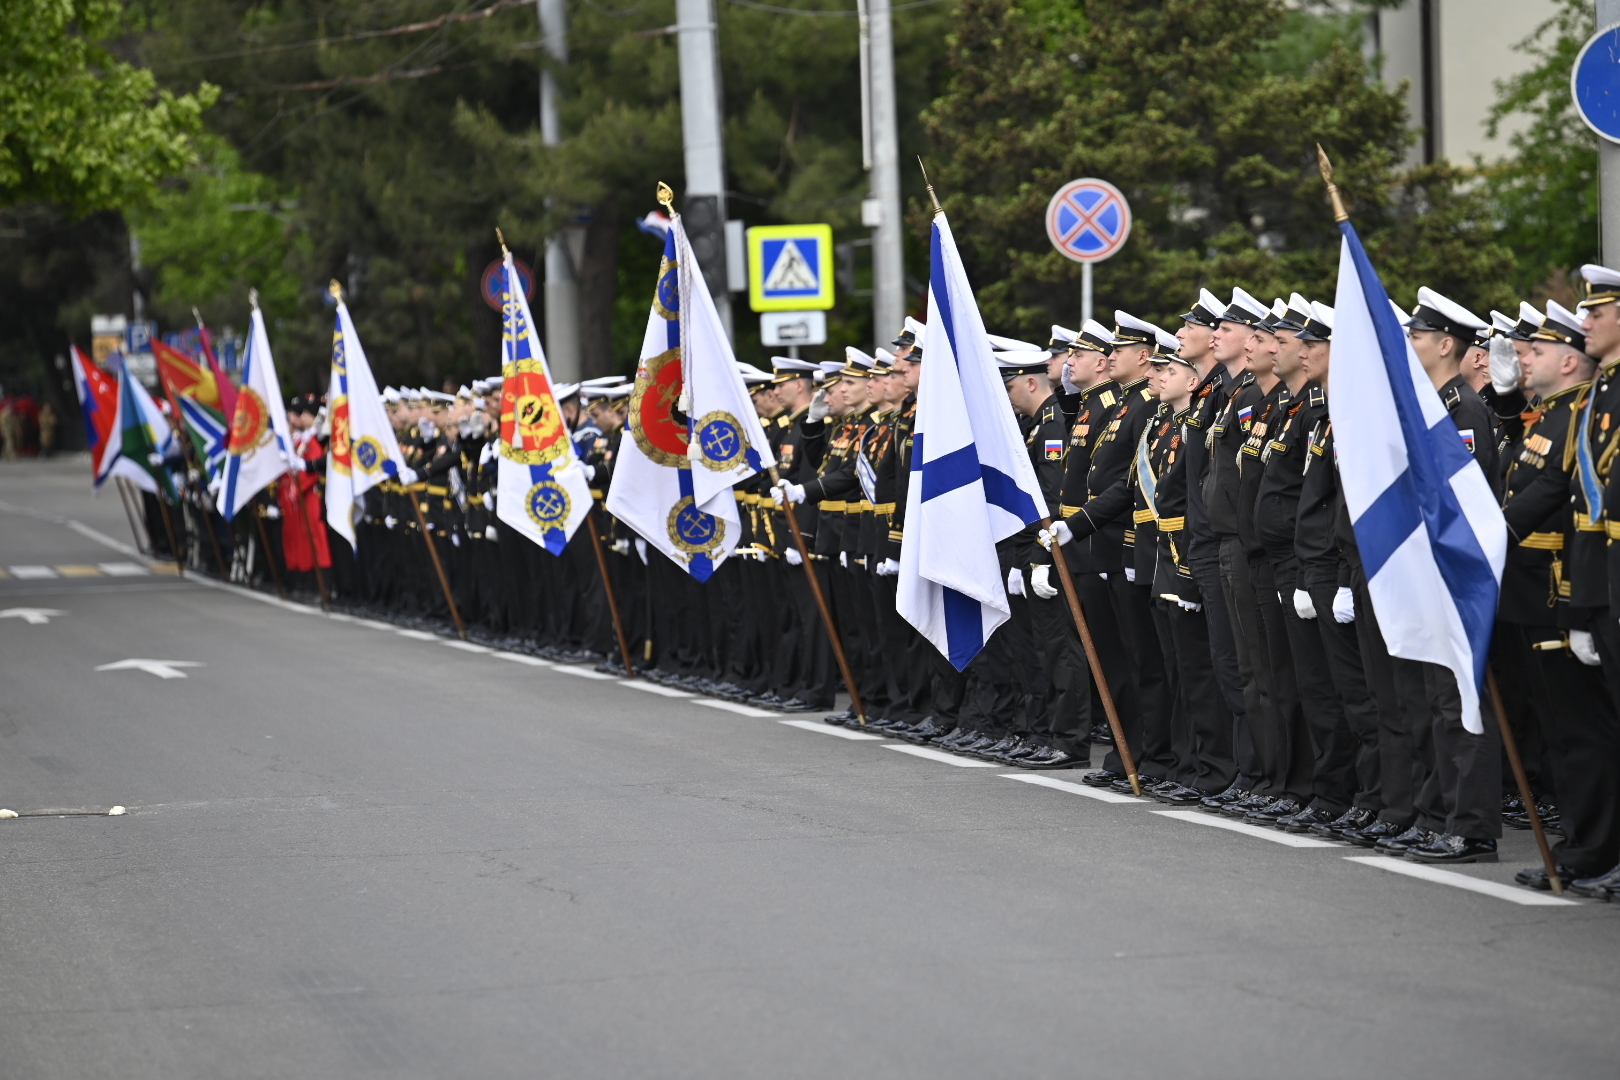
1054	449
1467	437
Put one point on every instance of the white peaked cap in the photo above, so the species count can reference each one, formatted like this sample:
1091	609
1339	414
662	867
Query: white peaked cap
1142	332
1560	314
1529	314
1601	275
1452	310
1061	333
1096	329
884	357
1007	344
917	329
1168	342
856	357
564	390
1500	322
605	380
789	363
1211	303
1322	314
1243	304
752	374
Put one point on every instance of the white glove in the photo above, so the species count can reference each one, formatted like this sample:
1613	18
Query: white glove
1015	582
1040	581
843	560
1103	576
786	492
390	520
1344	605
621	546
793	557
273	512
818	407
1302	604
1130	574
641	550
1504	365
887	568
490	533
1188	605
1059	531
590	471
1584	648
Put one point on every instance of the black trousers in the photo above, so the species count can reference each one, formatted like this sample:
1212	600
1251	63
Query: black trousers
1281	743
1396	753
1583	740
1341	644
1322	746
1203	734
1097	602
1254	666
1466	766
1133	608
1205	563
1065	723
1527	694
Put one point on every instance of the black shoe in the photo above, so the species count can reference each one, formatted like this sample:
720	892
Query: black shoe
840	717
1305	820
1123	784
1103	778
1247	805
1400	845
925	732
1535	877
1370	835
1273	812
1448	848
1056	759
1102	733
1598	887
1025	751
1185	795
999	747
1357	817
794	704
982	743
950	737
770	699
1161	786
1215	803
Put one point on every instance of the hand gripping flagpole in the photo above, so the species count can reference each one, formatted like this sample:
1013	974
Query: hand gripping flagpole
1080	623
1509	743
821	603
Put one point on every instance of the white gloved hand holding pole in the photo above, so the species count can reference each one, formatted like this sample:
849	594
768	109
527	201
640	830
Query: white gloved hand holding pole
792	556
887	568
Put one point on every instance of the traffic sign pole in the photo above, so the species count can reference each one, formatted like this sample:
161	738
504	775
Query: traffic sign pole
1089	220
1085	291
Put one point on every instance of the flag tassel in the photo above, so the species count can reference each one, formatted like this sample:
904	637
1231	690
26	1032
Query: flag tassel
607	587
444	582
1095	662
821	604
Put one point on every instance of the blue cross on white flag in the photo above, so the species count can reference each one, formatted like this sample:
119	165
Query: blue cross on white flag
364	451
971	480
543	492
1432	537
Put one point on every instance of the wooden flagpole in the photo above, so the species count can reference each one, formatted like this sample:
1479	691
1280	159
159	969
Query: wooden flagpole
433	551
607	587
1511	745
143	546
269	552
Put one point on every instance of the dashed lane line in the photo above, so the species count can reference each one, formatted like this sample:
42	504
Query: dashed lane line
32	573
1198	817
1511	893
1055	784
828	729
936	755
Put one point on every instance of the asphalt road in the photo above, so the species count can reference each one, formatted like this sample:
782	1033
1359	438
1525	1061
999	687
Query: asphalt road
352	852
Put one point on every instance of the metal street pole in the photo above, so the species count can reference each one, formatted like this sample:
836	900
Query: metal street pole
702	131
1608	13
562	287
888	250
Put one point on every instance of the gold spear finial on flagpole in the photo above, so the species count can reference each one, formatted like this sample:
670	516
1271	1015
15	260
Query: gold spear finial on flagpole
336	290
938	209
1339	213
666	197
502	238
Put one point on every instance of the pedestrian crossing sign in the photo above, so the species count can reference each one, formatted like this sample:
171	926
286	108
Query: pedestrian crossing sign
790	267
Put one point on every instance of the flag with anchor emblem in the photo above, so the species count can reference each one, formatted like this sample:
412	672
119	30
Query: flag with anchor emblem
542	490
364	451
688	443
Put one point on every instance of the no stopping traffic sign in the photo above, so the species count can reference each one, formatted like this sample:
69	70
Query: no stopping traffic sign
1088	220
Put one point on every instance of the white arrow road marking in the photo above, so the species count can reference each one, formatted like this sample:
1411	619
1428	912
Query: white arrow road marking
163	669
33	616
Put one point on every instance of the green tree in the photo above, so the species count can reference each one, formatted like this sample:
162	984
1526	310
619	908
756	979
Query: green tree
1546	194
78	128
1207	117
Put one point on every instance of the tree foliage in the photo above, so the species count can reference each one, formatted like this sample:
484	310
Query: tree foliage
1207	117
78	128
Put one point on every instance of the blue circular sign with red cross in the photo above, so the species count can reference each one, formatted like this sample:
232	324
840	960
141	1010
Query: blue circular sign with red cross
1088	220
492	288
1594	83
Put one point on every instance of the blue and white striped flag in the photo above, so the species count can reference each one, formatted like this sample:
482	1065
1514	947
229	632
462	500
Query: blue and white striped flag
1432	537
971	480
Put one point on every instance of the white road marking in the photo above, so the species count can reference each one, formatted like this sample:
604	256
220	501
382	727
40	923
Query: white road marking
24	573
1198	817
373	624
732	706
829	729
1511	893
416	635
1100	794
584	673
123	569
163	669
654	688
33	616
936	755
468	646
522	658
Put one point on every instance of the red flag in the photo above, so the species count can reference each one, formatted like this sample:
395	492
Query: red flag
227	389
183	376
98	398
